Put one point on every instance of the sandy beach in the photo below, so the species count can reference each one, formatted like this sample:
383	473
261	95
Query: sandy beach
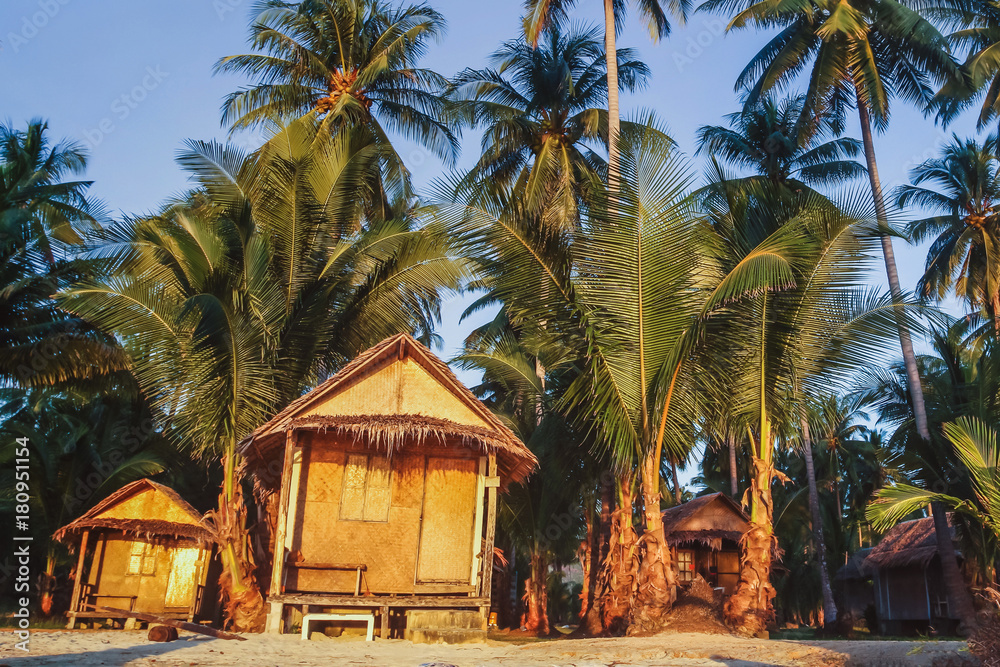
134	649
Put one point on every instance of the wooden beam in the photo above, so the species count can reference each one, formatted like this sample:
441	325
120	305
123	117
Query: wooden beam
375	601
181	625
486	587
74	603
281	528
475	576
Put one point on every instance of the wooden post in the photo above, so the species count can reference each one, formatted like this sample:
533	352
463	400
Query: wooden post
74	603
486	586
384	634
275	614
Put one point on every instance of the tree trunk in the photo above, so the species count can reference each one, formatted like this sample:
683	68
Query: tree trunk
536	602
592	622
614	121
618	576
677	484
243	603
734	480
960	605
829	604
749	610
958	595
657	586
47	582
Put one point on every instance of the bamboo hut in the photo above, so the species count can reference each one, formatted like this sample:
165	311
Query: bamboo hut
141	549
910	594
381	491
704	535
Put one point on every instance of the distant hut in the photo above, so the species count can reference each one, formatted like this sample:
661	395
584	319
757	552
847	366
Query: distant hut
910	594
852	588
704	534
381	488
144	549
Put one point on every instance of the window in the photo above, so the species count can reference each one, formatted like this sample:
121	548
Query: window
685	565
366	489
142	559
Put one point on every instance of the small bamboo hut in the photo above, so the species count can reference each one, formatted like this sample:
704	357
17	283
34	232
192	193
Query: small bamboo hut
381	490
910	594
704	535
142	549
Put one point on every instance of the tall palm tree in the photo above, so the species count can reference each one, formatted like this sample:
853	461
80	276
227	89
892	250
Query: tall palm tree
542	109
977	31
349	63
965	256
770	139
234	301
864	52
543	13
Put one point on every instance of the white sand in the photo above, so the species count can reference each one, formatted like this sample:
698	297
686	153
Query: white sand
134	649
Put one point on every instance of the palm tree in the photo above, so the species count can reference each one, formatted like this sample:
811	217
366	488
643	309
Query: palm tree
770	139
235	300
977	24
965	256
541	108
42	218
544	13
864	52
349	63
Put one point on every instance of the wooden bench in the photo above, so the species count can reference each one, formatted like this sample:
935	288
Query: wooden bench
367	618
343	567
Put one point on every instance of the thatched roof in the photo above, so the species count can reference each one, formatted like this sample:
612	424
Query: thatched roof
698	521
181	520
854	568
393	431
907	543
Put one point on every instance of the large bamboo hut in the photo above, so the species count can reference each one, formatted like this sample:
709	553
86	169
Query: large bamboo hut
704	535
381	491
910	594
142	549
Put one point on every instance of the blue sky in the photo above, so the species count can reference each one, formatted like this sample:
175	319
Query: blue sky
133	80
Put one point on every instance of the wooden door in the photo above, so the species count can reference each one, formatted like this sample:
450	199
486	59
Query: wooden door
447	521
184	577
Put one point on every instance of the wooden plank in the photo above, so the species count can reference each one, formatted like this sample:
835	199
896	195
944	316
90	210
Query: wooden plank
180	625
74	603
486	581
384	633
306	565
477	530
452	602
278	565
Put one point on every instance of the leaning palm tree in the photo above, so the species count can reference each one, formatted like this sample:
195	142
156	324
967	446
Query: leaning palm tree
349	63
257	286
965	256
542	109
771	140
544	13
864	52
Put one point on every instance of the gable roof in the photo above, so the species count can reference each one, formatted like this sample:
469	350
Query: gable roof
445	410
141	508
692	521
906	543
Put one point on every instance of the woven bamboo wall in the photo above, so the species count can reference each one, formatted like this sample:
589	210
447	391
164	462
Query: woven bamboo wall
389	549
109	575
150	503
401	388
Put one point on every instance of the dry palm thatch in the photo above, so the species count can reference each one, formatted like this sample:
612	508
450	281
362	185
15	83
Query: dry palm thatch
141	526
391	432
908	543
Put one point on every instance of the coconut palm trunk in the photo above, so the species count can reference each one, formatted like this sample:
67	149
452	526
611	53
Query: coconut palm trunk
621	567
734	482
536	602
959	599
243	601
614	114
749	608
829	604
